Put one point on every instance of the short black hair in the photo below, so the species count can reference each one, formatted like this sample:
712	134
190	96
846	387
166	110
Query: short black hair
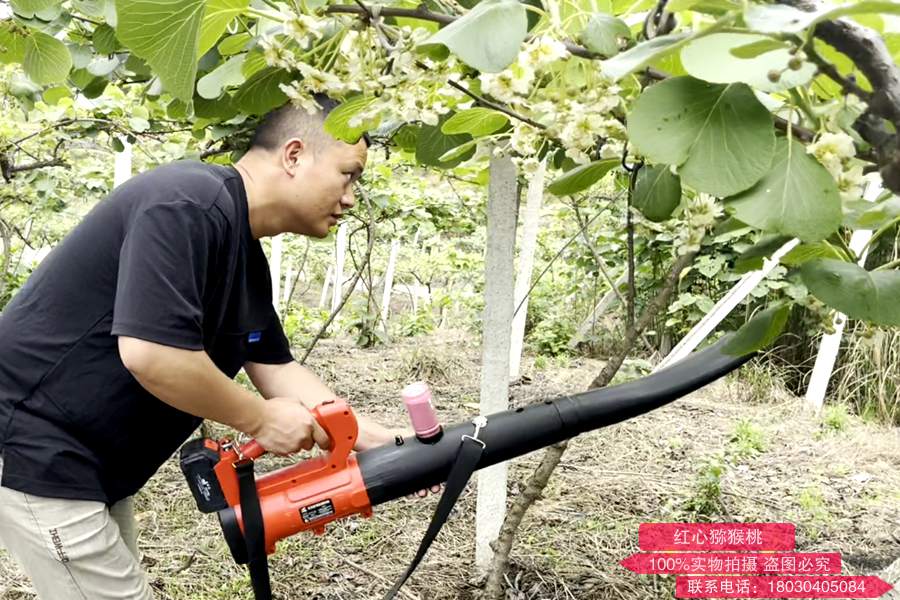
289	121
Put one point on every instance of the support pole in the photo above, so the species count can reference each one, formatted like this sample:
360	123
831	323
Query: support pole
530	223
389	283
339	253
122	167
498	294
831	342
325	285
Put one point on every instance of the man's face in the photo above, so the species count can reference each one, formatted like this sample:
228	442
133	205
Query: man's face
322	187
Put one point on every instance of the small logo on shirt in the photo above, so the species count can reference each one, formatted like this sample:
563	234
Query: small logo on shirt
254	336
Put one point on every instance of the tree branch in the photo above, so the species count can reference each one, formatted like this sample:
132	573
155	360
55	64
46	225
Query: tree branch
871	56
426	15
498	107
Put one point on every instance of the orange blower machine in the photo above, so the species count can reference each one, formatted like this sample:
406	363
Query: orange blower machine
303	496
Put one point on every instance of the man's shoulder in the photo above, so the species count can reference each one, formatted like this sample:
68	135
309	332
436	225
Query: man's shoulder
215	189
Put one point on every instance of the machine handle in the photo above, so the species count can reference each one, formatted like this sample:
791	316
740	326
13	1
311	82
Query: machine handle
328	415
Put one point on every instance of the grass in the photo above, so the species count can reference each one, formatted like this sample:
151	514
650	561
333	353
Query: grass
868	375
746	441
835	418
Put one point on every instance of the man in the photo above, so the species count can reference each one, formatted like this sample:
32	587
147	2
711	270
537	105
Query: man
129	334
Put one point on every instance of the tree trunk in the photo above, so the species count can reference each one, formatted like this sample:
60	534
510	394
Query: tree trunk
552	456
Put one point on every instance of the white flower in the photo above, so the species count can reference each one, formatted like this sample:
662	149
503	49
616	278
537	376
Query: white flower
851	182
578	156
299	98
276	54
612	149
545	50
703	211
832	150
318	81
523	139
302	26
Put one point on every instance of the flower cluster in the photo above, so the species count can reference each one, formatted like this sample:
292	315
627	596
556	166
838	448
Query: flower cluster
700	214
836	152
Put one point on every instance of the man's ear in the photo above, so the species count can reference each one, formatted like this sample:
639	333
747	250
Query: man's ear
291	153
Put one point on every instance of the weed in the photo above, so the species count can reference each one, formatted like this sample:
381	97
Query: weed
835	418
746	441
707	497
812	502
417	323
551	336
760	381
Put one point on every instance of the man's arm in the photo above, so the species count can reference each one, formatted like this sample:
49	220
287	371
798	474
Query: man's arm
296	381
189	381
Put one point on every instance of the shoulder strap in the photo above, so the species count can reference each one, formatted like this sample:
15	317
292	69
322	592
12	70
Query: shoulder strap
254	531
467	459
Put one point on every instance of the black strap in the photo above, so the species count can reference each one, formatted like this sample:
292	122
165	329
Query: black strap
467	459
254	531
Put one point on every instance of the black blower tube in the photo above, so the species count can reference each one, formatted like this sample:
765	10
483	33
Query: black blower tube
393	471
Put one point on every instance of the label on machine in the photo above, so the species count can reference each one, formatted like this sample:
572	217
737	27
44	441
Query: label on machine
317	511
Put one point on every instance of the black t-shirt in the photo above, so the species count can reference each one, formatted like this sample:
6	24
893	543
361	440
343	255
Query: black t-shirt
168	257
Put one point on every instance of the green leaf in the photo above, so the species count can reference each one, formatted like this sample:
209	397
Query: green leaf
642	55
12	44
797	197
165	33
104	39
90	85
475	121
407	137
657	193
234	44
221	108
117	144
860	294
55	94
752	259
602	33
432	144
91	8
711	58
459	151
216	17
803	253
754	49
780	18
225	75
879	214
720	136
28	8
582	177
337	124
261	93
254	62
760	331
488	37
47	60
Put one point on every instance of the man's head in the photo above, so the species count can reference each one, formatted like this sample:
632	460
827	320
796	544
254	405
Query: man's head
301	176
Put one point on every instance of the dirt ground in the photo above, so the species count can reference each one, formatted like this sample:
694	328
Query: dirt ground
840	485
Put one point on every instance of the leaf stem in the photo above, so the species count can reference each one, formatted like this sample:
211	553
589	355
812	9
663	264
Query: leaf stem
889	265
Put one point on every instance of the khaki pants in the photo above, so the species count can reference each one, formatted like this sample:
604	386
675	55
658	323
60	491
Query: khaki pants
73	549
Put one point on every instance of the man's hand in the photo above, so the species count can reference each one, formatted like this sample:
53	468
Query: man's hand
287	426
